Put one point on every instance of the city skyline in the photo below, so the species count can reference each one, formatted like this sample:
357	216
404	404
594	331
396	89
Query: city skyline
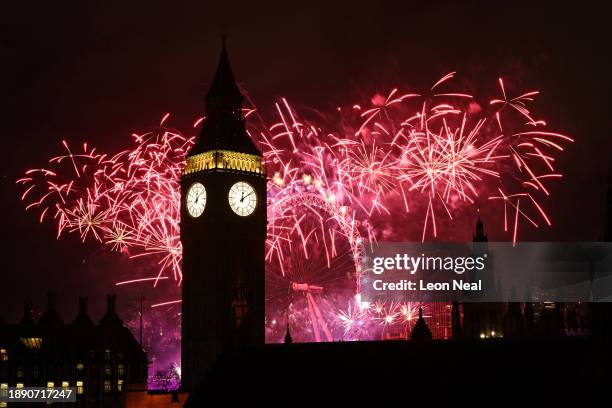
547	56
219	171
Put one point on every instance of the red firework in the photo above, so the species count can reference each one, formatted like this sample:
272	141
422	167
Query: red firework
333	186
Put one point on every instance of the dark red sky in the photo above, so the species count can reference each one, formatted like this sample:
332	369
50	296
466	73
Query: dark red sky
96	71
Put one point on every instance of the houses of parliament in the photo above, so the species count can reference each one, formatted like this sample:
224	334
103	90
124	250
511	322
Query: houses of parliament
224	222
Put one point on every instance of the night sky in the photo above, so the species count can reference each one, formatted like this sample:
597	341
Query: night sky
96	71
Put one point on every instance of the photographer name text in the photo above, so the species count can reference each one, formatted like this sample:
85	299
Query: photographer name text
421	285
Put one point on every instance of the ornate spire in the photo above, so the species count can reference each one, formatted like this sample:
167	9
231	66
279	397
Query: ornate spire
224	84
223	128
479	235
288	338
420	331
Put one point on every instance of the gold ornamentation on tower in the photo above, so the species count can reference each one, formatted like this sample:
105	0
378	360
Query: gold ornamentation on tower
224	159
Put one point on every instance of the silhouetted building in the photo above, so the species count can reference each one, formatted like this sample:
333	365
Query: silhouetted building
529	314
550	322
288	338
514	321
456	320
480	235
420	332
223	232
101	361
402	370
608	213
482	319
601	312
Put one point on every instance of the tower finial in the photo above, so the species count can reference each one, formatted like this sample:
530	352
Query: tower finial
479	235
224	127
420	331
223	84
288	338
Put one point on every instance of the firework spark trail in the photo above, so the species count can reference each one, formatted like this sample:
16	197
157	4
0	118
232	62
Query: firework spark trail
129	200
332	183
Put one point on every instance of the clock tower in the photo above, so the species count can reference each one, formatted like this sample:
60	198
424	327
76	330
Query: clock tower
223	232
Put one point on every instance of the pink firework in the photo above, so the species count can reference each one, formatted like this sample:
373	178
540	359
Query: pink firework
129	201
335	184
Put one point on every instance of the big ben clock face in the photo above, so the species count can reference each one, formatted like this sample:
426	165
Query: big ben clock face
196	199
242	198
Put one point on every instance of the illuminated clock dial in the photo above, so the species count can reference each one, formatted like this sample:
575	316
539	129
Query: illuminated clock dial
196	199
242	198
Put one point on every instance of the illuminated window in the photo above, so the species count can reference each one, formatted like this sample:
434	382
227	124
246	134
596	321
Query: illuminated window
119	385
80	388
19	371
65	384
107	354
3	355
120	370
50	384
36	371
107	386
19	385
80	367
32	342
3	393
107	369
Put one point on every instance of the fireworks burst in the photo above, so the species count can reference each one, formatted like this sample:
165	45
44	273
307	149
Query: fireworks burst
334	185
129	201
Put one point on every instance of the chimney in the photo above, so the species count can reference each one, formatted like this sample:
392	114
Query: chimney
82	317
50	319
111	318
